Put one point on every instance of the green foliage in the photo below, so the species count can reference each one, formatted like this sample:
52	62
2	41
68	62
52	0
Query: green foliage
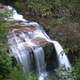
63	74
17	74
48	7
54	8
71	74
5	63
76	69
39	7
5	60
66	50
48	51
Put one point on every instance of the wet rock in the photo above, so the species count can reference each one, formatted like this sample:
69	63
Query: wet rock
40	41
22	28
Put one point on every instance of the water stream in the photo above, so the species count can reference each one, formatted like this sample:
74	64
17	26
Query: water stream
62	58
40	62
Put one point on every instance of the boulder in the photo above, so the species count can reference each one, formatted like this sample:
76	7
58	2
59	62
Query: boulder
40	41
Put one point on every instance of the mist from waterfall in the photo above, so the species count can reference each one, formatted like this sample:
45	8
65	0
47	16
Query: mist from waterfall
21	46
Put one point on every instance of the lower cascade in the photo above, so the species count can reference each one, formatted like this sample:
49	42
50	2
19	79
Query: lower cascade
40	61
26	38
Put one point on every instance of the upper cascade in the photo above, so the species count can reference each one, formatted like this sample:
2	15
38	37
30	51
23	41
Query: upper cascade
15	15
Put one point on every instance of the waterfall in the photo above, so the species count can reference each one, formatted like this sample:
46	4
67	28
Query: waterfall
19	51
62	58
40	62
21	46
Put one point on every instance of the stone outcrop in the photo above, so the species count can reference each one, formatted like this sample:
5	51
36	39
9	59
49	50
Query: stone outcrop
17	27
40	41
3	8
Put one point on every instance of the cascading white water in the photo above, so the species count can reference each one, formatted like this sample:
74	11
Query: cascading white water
15	15
40	62
62	58
23	55
21	49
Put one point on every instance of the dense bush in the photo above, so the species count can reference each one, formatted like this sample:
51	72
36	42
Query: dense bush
18	74
63	74
5	60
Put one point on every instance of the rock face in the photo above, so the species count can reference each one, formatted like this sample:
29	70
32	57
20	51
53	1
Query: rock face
3	8
17	27
39	41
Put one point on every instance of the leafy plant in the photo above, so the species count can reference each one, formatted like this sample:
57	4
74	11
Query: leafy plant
63	74
5	60
18	74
